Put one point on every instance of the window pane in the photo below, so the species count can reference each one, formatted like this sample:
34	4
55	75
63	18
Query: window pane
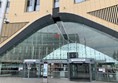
33	5
8	5
0	4
37	2
29	5
78	1
56	3
37	5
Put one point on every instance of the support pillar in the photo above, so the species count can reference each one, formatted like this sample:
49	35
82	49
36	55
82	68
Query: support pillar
90	72
0	68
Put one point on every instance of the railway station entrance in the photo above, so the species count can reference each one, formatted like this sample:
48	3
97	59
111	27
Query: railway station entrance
81	69
75	69
31	68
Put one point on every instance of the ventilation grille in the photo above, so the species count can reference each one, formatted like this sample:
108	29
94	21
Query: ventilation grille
109	14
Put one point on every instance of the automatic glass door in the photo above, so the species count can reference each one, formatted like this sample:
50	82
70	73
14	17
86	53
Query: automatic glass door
79	71
31	68
80	68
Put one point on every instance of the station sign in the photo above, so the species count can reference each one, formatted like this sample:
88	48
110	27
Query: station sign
32	61
81	60
57	61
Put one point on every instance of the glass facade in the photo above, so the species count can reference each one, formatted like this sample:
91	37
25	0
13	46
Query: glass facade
49	43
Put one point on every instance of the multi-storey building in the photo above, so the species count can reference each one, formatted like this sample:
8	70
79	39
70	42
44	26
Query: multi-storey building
49	29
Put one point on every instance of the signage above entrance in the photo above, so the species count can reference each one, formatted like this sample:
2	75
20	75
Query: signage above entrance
56	61
77	59
31	61
81	60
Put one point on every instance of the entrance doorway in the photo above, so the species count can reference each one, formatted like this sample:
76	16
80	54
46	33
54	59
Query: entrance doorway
31	68
80	69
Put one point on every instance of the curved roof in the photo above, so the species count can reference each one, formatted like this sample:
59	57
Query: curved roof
47	20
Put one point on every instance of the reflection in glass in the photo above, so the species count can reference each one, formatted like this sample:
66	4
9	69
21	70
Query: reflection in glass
49	43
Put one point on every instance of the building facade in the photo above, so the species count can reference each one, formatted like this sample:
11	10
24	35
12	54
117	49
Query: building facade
49	29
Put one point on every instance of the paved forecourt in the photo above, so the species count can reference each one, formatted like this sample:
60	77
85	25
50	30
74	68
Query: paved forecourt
40	80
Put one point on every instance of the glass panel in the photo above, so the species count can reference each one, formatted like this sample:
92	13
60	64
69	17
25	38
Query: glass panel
0	4
49	43
38	2
37	5
8	5
78	1
79	71
30	5
56	3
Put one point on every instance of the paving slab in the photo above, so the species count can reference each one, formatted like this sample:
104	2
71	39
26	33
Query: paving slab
40	80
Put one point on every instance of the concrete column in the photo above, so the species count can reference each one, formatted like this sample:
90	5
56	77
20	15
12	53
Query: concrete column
90	72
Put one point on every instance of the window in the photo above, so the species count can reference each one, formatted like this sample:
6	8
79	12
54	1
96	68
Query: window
32	5
78	1
0	4
29	5
56	3
8	4
37	5
7	7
